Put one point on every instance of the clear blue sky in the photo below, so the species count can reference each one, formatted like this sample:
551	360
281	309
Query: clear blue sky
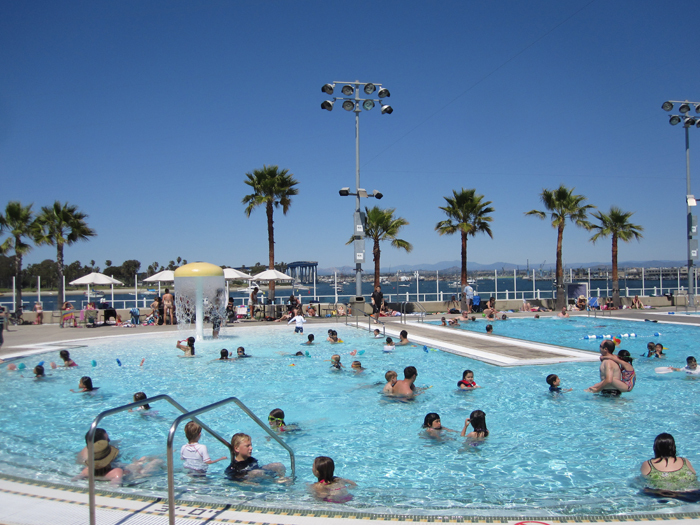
147	115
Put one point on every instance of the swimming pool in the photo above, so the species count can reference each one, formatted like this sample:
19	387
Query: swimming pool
566	455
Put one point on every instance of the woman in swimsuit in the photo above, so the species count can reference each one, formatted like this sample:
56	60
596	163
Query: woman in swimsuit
329	487
666	472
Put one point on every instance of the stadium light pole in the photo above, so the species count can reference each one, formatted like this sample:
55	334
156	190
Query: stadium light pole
352	101
692	226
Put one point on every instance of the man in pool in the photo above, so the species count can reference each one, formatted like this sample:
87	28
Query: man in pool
610	375
405	387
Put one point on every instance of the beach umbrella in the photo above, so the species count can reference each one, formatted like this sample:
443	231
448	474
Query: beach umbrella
231	274
95	278
272	275
164	276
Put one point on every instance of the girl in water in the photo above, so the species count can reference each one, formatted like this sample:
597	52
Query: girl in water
329	487
187	348
276	421
667	472
85	385
433	425
478	422
467	382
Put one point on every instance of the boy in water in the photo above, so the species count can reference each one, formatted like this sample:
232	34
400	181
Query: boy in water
691	367
310	340
195	456
391	378
357	366
377	334
553	381
335	362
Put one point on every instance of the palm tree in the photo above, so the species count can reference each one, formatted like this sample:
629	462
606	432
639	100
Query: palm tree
616	225
272	188
19	222
562	205
63	225
467	214
381	225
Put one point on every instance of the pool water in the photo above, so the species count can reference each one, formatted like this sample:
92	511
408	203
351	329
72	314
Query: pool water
556	455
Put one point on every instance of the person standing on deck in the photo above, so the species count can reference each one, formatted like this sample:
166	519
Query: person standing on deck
468	297
377	302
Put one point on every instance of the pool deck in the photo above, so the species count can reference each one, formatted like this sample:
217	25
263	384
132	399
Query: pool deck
24	502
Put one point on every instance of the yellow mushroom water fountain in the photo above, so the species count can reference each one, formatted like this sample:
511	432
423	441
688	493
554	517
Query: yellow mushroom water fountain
199	293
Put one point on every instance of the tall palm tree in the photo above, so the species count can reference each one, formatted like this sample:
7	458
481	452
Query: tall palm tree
63	225
616	224
272	188
381	225
467	214
563	205
19	223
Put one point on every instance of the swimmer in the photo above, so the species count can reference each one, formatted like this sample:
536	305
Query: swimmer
403	338
188	348
276	421
357	366
504	317
310	340
194	454
389	342
405	387
433	425
334	338
659	350
335	362
329	487
391	378
443	322
244	466
553	381
240	352
691	367
67	361
377	334
299	353
650	349
477	419
85	385
489	329
454	322
224	355
563	314
140	396
39	372
616	373
467	382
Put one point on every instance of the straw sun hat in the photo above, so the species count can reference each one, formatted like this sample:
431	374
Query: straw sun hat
104	453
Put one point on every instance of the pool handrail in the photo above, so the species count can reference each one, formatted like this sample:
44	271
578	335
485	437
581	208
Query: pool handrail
207	408
111	411
404	304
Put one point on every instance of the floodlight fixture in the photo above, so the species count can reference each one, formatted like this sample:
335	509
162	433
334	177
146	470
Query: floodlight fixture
689	122
383	92
667	106
675	119
697	108
370	88
344	192
348	105
690	199
361	192
327	104
347	90
328	88
368	104
698	124
377	194
387	109
684	108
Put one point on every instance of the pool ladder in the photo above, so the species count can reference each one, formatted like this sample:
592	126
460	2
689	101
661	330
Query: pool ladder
171	435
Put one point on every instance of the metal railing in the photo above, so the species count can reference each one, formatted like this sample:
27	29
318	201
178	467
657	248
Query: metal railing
404	305
91	440
190	415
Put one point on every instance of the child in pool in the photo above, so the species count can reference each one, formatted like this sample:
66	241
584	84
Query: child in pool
691	367
67	361
310	340
335	362
144	409
454	322
650	349
357	366
658	350
244	466
478	422
377	334
39	372
433	425
224	355
188	348
329	487
240	352
553	381
391	378
85	385
276	421
443	322
467	382
194	454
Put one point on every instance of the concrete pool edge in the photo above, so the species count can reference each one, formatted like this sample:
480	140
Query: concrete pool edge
47	498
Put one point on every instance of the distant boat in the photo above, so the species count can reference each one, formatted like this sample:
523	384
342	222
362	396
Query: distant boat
94	293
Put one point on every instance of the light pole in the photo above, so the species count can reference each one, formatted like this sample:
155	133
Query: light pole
692	220
353	102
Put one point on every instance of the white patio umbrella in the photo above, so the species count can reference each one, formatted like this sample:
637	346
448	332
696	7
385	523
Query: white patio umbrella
231	274
164	276
272	275
95	278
